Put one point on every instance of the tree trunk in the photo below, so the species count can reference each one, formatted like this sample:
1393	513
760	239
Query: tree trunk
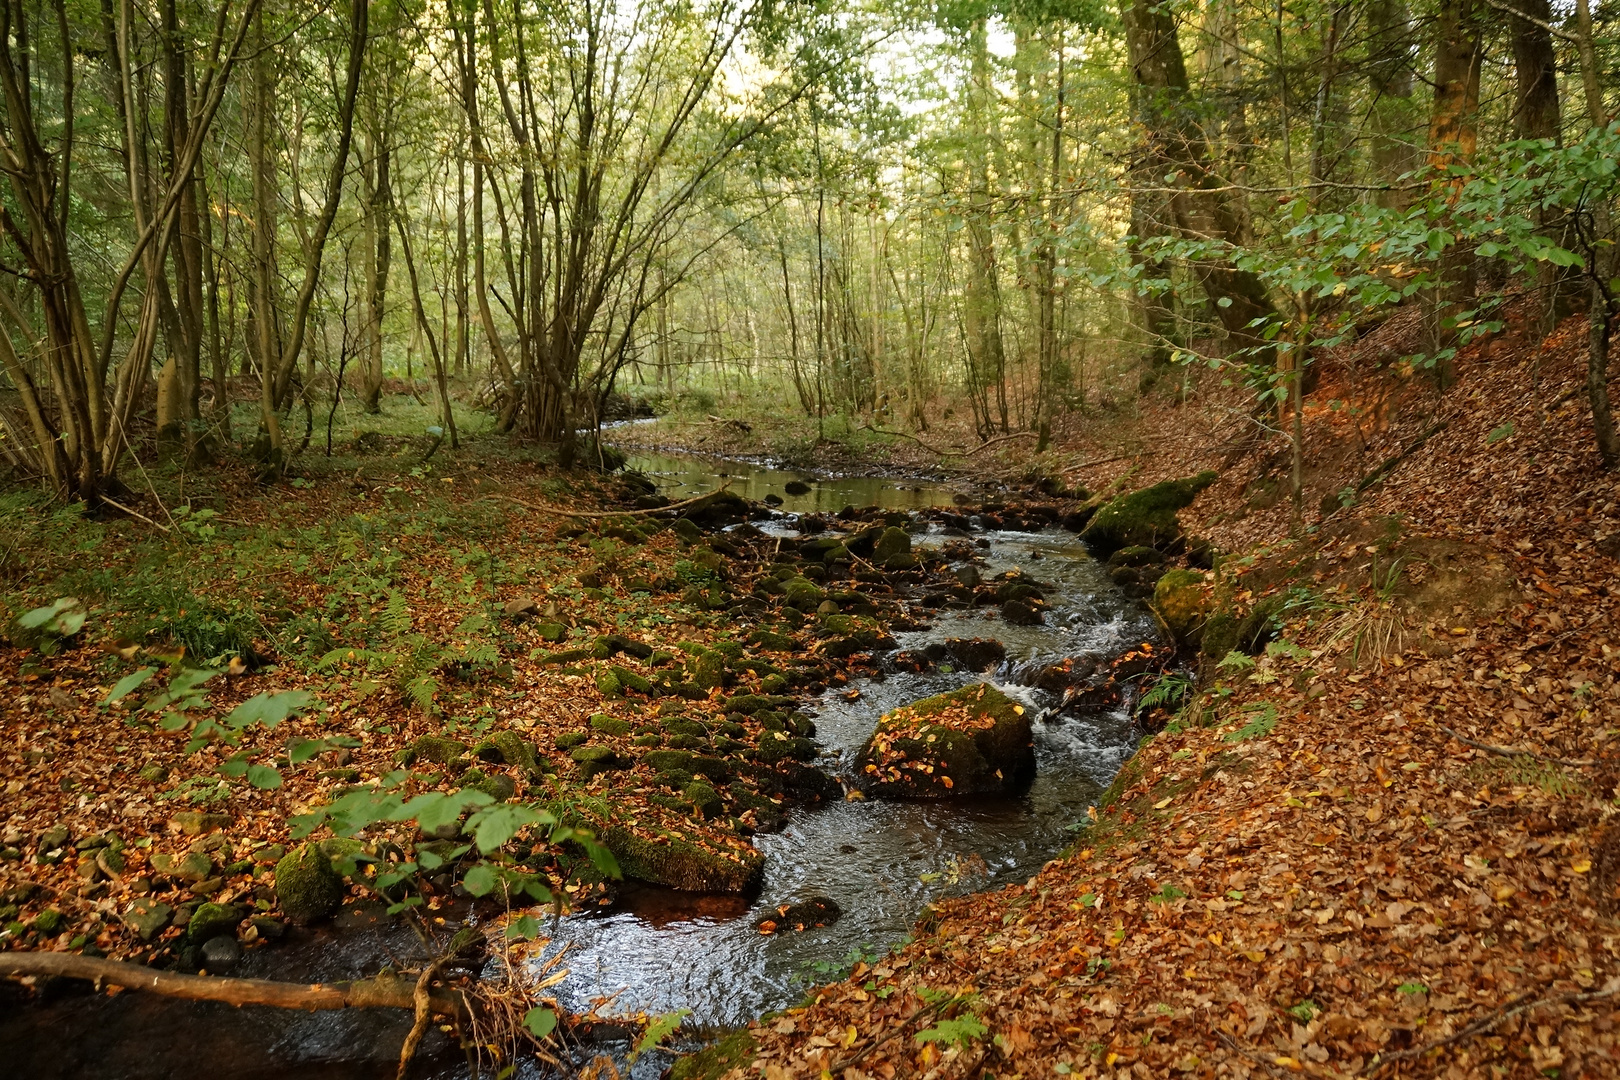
1391	116
1176	147
1453	139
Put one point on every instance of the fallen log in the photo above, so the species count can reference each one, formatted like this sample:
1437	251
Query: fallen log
386	991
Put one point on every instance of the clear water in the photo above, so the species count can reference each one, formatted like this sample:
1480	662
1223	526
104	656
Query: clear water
659	949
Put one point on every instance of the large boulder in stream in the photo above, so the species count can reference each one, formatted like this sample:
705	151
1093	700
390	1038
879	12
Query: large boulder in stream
972	741
1145	518
307	887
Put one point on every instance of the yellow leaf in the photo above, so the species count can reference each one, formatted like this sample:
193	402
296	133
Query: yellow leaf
849	1037
1162	803
1581	866
1253	956
1109	1061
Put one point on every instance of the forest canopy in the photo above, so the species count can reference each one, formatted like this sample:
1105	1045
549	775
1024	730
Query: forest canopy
222	216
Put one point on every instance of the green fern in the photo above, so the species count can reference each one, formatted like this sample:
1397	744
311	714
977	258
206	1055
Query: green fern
397	616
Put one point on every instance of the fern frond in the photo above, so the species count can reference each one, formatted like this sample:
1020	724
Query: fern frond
397	616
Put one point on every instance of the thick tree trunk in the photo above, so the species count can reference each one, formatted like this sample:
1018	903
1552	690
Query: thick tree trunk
1391	115
1453	139
1177	148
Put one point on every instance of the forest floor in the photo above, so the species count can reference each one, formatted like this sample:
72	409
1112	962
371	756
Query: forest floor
1382	848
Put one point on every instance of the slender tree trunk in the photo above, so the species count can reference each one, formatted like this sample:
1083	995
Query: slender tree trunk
1453	139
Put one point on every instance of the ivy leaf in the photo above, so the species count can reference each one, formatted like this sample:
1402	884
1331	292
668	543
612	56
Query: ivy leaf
436	809
269	709
263	777
129	683
495	825
540	1022
481	880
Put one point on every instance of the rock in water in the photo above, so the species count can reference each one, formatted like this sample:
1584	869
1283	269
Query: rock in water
1145	518
307	888
796	487
221	954
891	542
804	915
972	741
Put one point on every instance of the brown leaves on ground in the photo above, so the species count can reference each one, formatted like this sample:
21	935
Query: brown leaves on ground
1384	852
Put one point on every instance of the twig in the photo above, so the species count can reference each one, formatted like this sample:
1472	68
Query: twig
422	998
609	513
133	513
954	453
1509	752
1491	1020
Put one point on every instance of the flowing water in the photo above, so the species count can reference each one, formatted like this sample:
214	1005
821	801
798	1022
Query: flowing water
658	949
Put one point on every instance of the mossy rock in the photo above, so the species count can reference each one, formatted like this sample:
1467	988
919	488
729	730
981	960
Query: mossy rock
686	531
704	799
1145	518
667	857
890	542
775	746
1182	599
650	738
610	725
712	1062
972	741
572	739
803	594
903	560
770	639
748	704
708	670
438	749
307	888
1136	555
592	760
510	748
683	725
663	761
551	631
212	920
498	786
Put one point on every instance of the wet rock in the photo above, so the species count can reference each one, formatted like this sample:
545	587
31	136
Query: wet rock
772	499
718	510
796	487
307	888
976	654
268	927
221	955
1136	555
892	541
1022	613
969	576
54	839
777	746
1144	518
975	740
804	915
147	917
1125	575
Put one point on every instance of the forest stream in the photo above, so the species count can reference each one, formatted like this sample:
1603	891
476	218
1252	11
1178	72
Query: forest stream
657	950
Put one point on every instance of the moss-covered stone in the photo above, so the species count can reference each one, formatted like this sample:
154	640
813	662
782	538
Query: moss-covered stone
712	1062
497	786
971	741
891	541
670	857
437	749
1145	518
551	631
803	594
610	725
775	746
595	759
1182	599
307	888
704	799
1136	555
212	920
572	739
510	748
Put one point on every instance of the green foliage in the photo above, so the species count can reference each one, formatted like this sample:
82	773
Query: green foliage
1263	717
958	1031
658	1029
46	628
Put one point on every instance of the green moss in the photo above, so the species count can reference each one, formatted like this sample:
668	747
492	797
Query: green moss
595	759
1182	601
1144	518
666	858
510	748
438	749
704	799
776	747
211	921
976	759
572	739
714	1061
307	888
610	725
